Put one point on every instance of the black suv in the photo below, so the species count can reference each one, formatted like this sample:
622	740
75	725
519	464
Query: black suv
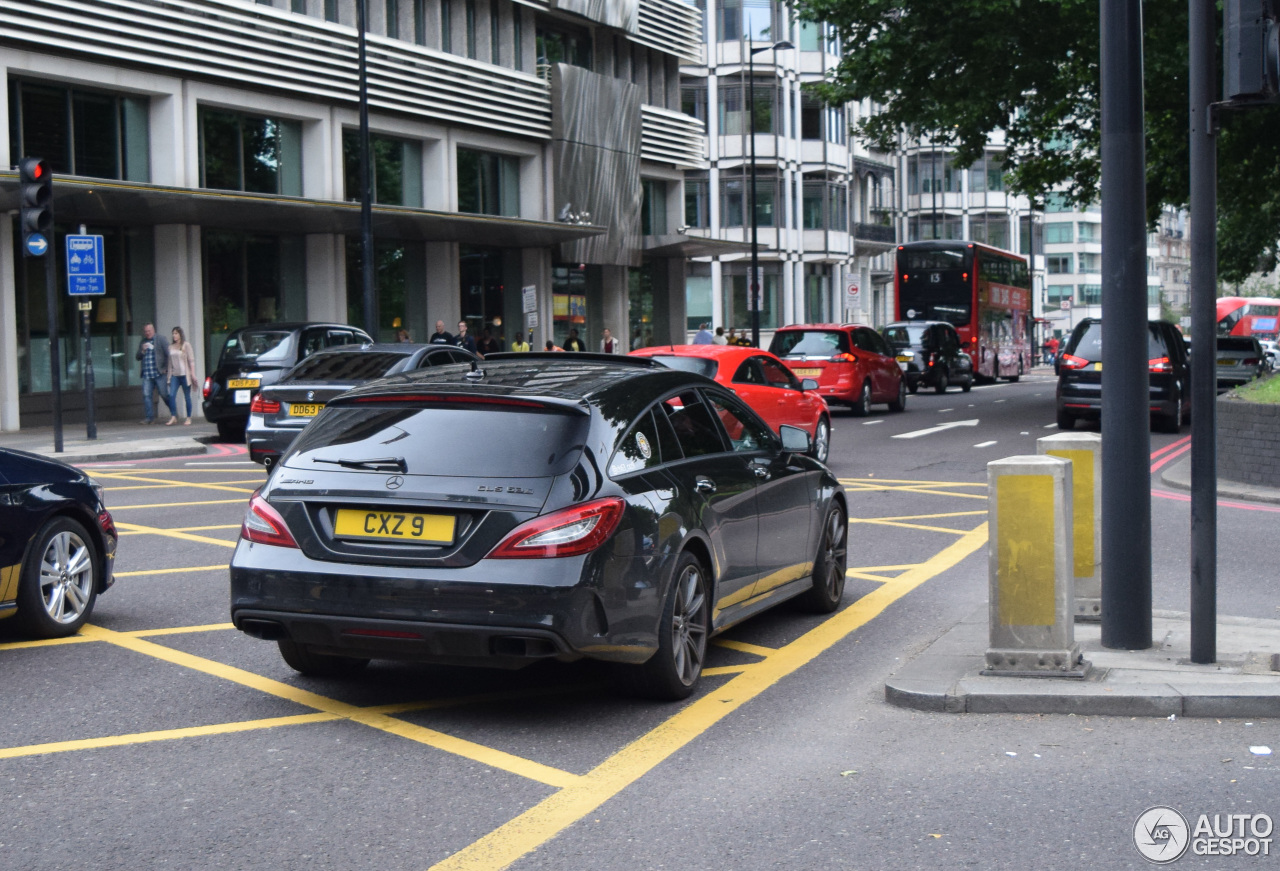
1079	369
930	354
253	357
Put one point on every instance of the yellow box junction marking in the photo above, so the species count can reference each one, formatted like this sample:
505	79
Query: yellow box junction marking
1024	549
743	647
141	572
171	533
114	508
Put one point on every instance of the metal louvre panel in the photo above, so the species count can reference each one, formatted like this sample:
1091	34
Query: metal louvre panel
258	46
672	137
671	26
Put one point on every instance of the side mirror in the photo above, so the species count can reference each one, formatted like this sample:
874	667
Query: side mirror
808	384
794	439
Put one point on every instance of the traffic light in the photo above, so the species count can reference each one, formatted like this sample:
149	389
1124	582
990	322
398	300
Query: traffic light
1251	36
36	216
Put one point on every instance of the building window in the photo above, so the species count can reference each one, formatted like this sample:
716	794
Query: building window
697	202
446	25
733	100
1090	262
80	132
693	102
331	10
397	169
396	268
517	36
817	293
564	45
1059	264
653	209
250	279
420	22
697	295
810	36
734	202
991	229
1056	202
393	19
298	6
1057	233
753	19
1088	232
931	173
471	29
495	34
1056	293
488	183
250	153
825	206
1091	294
734	295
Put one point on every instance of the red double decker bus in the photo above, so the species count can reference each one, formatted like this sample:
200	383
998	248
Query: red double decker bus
1249	316
984	292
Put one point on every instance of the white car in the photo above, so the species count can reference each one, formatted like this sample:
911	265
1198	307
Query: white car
1270	349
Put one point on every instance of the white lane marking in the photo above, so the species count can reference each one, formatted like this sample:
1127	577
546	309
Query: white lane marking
1024	433
999	400
1050	426
984	444
871	422
945	410
971	405
939	428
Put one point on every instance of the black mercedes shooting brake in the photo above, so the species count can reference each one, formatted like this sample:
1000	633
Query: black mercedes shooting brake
536	506
57	544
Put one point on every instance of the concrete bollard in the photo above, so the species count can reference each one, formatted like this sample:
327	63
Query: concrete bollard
1032	619
1084	450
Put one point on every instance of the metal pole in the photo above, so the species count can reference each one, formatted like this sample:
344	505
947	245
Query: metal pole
366	183
91	420
1203	32
1126	440
55	364
753	292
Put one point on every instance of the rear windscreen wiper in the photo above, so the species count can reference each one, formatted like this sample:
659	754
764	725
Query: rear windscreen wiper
383	464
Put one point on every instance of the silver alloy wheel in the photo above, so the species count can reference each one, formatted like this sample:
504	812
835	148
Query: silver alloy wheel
834	554
689	625
66	577
821	440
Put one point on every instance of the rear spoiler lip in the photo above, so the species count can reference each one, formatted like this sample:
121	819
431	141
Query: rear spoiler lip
446	397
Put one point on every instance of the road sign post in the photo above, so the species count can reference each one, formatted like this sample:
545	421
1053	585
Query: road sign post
86	277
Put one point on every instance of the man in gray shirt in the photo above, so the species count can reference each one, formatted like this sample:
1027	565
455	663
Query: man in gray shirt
153	354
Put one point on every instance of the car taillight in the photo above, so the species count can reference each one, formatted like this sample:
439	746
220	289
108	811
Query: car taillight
1250	361
208	386
1159	364
843	358
263	406
1071	361
570	532
264	525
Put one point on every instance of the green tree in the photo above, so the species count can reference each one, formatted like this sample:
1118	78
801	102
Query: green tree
959	71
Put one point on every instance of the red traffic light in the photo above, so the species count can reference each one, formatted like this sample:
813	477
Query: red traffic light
33	170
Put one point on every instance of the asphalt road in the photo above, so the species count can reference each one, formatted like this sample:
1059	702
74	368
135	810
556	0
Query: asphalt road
162	738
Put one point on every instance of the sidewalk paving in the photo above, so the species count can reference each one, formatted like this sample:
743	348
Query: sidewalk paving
116	441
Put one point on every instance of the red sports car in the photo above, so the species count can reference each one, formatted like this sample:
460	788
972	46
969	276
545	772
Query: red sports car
760	380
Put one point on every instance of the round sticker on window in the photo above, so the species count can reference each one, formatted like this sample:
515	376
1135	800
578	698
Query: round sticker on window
911	312
643	444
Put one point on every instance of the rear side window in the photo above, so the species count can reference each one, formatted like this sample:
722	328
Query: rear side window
490	441
809	343
345	367
251	344
694	425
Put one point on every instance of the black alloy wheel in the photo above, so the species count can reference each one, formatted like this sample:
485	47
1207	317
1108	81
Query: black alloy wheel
673	671
829	565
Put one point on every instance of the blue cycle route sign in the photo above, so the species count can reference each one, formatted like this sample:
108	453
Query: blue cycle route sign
86	269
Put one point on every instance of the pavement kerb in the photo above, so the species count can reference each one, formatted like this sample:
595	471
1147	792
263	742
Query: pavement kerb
1178	476
146	450
1158	682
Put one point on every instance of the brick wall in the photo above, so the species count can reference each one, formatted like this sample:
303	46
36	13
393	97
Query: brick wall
1249	442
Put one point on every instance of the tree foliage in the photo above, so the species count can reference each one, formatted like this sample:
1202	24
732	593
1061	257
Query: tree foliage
959	71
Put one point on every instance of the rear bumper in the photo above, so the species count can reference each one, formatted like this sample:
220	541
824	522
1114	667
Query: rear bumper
268	443
1084	399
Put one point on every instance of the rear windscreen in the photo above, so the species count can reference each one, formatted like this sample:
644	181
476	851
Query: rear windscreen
809	343
252	344
489	441
348	366
1227	343
903	336
1086	342
696	365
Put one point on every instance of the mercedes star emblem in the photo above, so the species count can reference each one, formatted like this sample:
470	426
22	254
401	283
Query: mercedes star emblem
394	482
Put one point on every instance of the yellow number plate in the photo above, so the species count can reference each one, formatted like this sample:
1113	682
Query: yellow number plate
904	359
807	373
1227	362
242	382
1097	367
297	409
394	526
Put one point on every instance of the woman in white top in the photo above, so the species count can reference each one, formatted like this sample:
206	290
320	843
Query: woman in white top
182	368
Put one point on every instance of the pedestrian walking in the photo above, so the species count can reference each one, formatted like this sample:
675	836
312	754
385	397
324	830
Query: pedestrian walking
487	344
718	338
520	346
703	336
573	343
462	340
182	368
1051	350
153	353
608	344
440	336
402	336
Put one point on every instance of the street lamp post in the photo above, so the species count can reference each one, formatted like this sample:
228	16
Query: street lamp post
755	287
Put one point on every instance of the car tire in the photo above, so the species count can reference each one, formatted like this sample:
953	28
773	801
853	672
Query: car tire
1172	423
829	565
900	404
913	387
940	386
1013	379
862	405
672	672
1066	420
60	580
231	431
307	662
968	384
821	440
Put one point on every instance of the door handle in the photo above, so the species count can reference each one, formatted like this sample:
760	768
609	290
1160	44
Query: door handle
704	484
760	471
